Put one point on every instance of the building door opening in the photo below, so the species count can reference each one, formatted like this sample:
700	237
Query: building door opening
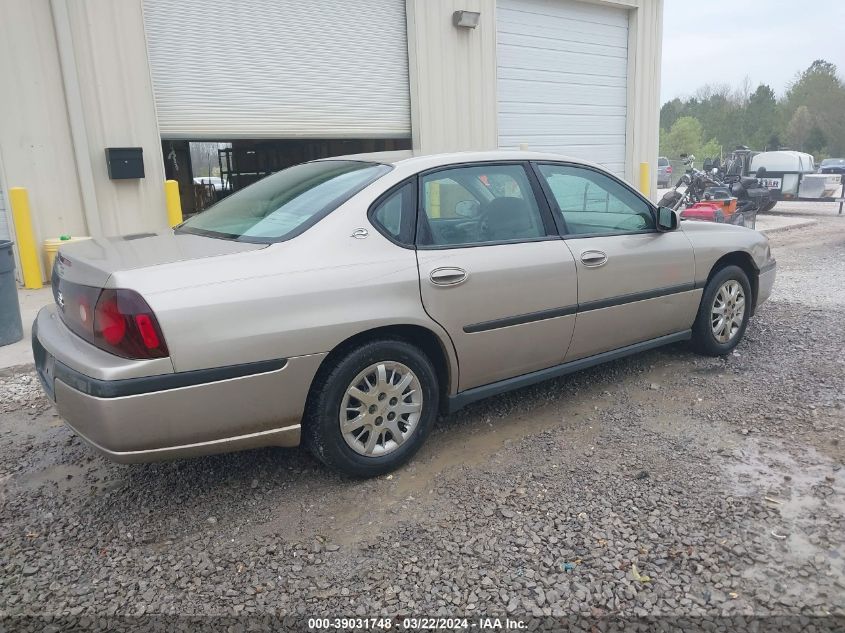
208	171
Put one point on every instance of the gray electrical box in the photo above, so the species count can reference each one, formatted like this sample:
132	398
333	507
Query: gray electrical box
125	162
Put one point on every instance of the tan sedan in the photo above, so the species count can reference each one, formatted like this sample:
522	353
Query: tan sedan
347	302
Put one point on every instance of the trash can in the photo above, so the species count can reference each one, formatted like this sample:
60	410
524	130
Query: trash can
11	328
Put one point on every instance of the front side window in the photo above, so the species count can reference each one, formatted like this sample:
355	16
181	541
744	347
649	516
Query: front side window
592	203
483	203
282	205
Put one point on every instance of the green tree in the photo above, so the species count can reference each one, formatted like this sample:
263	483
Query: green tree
684	137
799	127
671	112
822	92
756	118
762	120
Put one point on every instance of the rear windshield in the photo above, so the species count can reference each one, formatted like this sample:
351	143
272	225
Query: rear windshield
830	162
286	203
662	161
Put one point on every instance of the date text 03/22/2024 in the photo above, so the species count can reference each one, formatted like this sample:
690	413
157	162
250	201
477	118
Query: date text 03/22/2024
416	624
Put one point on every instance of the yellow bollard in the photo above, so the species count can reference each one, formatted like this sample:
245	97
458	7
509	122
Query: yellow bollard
434	199
174	204
645	181
27	248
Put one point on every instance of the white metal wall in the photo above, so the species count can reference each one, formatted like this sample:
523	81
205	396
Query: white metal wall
563	78
279	68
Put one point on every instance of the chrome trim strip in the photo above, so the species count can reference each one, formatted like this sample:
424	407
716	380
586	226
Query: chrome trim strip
166	450
552	313
634	296
519	319
147	384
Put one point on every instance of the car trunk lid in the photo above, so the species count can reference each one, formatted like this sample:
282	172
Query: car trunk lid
92	262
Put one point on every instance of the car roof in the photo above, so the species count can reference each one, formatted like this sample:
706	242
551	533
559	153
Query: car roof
415	159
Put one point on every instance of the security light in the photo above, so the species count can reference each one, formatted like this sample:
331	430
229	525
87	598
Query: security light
466	19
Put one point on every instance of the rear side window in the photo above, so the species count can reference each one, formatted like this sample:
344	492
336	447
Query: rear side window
592	203
478	204
394	214
286	203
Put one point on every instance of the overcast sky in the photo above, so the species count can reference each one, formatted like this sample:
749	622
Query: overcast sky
723	41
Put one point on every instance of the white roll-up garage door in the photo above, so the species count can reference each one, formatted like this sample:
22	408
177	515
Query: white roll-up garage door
226	69
562	78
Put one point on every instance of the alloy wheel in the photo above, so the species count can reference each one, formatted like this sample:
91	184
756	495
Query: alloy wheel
728	311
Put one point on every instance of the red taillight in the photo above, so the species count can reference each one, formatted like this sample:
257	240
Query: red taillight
125	325
147	330
668	169
111	323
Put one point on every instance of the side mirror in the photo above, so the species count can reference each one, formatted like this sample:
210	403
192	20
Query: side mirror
667	219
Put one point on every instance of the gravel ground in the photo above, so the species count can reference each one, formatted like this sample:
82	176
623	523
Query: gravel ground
664	485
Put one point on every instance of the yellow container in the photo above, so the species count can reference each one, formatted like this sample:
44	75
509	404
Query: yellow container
51	247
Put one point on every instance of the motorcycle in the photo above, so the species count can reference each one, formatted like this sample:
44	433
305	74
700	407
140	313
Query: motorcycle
752	196
700	195
719	193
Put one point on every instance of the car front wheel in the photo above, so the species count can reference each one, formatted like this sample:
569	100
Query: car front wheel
372	408
724	312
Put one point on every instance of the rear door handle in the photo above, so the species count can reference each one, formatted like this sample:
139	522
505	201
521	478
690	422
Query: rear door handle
593	259
448	276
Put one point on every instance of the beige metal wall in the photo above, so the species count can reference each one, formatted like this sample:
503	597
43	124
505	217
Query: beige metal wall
645	51
75	80
453	78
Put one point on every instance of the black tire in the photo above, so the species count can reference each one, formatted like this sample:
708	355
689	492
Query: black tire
703	339
669	199
321	422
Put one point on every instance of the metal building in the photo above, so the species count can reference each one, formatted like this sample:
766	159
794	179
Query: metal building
283	81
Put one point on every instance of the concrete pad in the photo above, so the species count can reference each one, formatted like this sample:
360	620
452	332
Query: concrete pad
20	353
776	223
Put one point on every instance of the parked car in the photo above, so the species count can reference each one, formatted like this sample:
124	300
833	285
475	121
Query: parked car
347	302
832	166
214	181
664	172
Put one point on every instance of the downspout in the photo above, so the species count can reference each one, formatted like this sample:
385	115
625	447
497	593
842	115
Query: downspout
76	116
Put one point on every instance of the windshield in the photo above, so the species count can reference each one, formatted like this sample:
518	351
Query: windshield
286	203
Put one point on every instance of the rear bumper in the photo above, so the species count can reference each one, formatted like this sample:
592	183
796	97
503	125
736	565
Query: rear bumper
181	414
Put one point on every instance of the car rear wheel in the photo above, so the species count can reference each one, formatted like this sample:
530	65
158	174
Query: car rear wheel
371	409
724	312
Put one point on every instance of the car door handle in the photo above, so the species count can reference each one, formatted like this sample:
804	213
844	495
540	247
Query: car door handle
448	276
593	259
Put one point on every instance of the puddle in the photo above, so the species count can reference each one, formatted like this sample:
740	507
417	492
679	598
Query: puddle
62	475
809	496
